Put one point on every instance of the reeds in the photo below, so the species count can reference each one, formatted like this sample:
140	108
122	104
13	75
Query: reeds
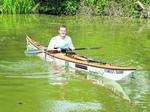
17	6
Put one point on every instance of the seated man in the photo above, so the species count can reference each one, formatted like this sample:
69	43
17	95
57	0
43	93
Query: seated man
61	42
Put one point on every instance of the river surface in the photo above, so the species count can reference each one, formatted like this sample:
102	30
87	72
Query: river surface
29	84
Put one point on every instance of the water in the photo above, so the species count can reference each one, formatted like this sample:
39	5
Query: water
28	83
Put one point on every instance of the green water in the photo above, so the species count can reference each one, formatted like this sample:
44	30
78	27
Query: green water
29	84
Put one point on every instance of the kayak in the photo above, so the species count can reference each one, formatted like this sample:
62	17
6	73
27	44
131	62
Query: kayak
78	62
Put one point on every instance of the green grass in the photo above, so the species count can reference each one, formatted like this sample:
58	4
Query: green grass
17	6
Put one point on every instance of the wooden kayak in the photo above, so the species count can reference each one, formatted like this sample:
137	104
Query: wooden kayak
81	63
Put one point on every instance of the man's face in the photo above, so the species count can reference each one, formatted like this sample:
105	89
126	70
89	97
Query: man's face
62	31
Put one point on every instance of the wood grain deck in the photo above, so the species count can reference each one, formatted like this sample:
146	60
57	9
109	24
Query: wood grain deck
77	58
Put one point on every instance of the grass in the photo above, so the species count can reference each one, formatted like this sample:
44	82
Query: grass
17	6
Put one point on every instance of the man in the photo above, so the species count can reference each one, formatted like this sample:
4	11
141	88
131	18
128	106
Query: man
61	42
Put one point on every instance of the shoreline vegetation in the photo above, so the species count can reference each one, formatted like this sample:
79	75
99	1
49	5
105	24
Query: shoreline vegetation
112	8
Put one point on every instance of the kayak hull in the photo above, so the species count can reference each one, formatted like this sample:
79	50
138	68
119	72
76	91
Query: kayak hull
107	71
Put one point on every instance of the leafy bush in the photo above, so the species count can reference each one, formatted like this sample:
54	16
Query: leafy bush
51	7
71	7
58	7
100	6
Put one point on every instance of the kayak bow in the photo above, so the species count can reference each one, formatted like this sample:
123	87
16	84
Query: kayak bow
79	62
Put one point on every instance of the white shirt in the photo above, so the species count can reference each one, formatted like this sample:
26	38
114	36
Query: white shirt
58	42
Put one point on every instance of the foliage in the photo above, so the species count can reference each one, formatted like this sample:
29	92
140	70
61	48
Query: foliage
57	7
114	7
51	7
17	6
71	7
100	6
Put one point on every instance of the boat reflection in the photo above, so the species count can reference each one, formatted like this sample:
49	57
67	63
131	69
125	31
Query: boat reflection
71	106
111	85
61	75
58	75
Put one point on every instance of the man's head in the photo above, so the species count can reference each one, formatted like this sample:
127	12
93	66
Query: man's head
62	31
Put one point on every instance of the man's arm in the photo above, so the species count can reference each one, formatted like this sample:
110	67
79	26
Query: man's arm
71	46
51	45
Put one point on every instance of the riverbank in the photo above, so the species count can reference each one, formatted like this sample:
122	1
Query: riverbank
117	8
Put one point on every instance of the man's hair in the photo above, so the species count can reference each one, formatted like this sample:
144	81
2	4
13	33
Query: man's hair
62	26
